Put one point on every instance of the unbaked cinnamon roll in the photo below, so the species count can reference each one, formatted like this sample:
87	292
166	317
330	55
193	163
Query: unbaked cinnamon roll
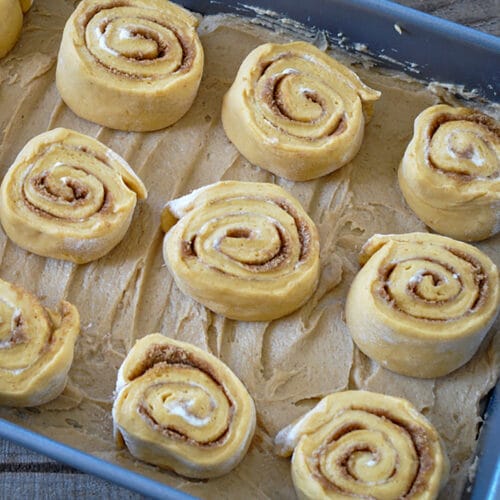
359	444
295	111
11	22
36	347
245	250
422	303
131	65
450	173
181	408
68	196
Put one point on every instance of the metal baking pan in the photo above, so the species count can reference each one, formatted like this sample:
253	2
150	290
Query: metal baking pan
396	37
424	48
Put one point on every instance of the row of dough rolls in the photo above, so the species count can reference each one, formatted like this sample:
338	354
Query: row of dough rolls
291	109
137	65
421	304
182	409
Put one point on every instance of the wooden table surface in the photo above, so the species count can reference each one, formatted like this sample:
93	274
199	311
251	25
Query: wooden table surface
483	15
25	474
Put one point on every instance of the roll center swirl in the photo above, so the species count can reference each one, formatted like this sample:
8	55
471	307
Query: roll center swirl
297	98
254	245
188	405
136	44
246	241
125	38
56	188
465	148
362	451
432	289
425	280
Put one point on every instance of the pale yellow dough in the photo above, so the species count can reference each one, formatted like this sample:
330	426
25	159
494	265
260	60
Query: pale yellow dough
422	303
181	408
11	22
132	65
26	5
450	173
360	444
68	196
295	111
246	250
36	347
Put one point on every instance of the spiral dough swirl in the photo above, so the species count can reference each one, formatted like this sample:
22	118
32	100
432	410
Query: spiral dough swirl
450	173
245	250
36	347
427	302
360	444
181	408
295	111
68	196
130	64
